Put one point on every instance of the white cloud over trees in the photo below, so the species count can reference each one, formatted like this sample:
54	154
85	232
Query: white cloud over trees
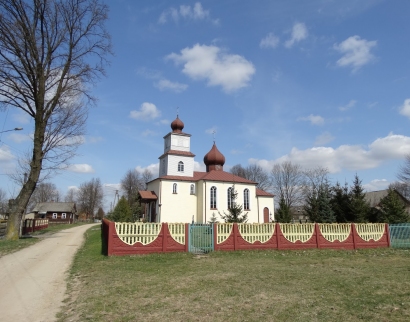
350	157
80	168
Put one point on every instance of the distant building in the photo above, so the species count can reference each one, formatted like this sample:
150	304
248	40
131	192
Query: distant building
374	198
181	194
56	212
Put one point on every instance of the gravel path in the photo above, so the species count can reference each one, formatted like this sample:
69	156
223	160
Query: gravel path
32	280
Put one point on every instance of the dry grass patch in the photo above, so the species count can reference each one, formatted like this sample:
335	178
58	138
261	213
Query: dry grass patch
314	285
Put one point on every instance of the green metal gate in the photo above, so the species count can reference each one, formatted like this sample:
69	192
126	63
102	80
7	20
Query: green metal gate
400	235
201	238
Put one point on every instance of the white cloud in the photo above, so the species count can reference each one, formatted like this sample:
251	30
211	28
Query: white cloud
356	52
164	84
324	138
270	41
80	168
313	119
232	72
349	105
196	12
94	139
377	184
5	153
154	168
147	111
299	32
18	138
351	157
405	108
22	118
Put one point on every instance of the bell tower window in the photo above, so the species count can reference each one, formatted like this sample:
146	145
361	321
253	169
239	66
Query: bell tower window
180	166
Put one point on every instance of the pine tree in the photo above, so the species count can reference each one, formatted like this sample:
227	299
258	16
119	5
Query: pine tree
340	203
325	211
359	207
234	213
311	207
392	210
122	212
283	213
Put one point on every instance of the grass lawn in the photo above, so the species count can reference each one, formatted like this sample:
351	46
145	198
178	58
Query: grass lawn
11	246
313	285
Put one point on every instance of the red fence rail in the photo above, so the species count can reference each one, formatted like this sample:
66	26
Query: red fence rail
316	237
32	225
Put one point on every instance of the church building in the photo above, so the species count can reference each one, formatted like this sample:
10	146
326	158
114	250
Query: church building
181	194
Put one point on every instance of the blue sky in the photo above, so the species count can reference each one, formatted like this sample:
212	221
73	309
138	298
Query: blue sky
320	83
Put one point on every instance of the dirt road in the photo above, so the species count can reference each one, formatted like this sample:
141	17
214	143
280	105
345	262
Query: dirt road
32	280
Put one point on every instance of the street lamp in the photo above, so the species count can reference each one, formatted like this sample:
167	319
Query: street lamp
15	129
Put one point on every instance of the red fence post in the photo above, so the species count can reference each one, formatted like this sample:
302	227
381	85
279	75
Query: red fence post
354	232
278	232
317	230
110	239
388	235
165	233
187	237
235	235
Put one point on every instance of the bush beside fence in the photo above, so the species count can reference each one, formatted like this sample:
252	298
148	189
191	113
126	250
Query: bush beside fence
140	238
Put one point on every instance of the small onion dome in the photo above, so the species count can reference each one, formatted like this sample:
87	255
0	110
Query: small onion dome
177	125
214	160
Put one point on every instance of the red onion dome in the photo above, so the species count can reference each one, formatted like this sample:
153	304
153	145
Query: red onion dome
214	160
177	125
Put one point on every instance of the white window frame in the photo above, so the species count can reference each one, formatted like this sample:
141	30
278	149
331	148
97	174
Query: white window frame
174	188
213	200
55	216
180	166
63	215
192	189
229	197
246	202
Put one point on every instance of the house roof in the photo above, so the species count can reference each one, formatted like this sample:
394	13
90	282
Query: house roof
374	197
149	195
43	207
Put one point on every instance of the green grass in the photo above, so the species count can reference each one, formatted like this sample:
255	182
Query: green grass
11	246
311	285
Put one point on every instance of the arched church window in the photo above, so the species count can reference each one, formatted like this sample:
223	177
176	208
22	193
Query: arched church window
246	199
229	196
192	189
213	197
180	166
174	188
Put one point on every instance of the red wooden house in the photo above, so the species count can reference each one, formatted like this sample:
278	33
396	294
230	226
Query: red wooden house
56	212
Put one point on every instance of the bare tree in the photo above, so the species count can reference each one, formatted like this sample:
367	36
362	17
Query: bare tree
90	197
146	177
50	52
3	202
402	188
254	173
404	170
287	181
238	170
70	195
130	184
314	180
44	192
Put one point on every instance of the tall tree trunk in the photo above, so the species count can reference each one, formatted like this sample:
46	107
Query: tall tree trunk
19	205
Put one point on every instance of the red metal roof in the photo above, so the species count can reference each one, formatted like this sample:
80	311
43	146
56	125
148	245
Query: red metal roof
148	194
176	152
214	175
263	193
